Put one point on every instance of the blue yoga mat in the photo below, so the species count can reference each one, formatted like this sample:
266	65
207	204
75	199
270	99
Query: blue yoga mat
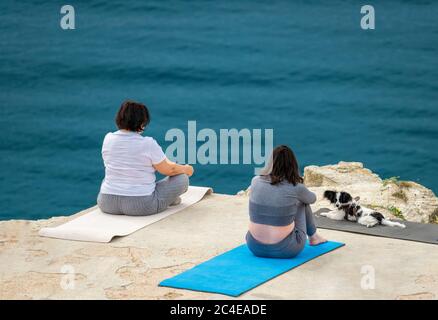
238	270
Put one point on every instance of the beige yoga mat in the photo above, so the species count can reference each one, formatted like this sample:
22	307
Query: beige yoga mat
96	226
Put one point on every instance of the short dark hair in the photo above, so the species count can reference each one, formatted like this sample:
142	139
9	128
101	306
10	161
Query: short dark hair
285	166
132	116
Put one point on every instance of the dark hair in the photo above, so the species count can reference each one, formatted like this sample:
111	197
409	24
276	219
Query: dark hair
284	166
132	116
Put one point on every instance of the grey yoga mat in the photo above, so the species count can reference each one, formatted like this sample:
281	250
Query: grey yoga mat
420	232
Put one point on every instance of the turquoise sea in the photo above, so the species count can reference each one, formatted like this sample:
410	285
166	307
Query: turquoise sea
329	89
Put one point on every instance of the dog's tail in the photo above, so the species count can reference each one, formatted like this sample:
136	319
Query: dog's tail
389	223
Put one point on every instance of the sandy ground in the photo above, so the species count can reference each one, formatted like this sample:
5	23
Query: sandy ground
32	267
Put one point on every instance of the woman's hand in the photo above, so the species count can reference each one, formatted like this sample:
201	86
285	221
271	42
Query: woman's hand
170	168
188	170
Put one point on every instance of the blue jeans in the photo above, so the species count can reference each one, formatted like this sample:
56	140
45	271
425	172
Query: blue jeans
290	246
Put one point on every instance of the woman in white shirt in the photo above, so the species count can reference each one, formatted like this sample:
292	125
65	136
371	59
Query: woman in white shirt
130	160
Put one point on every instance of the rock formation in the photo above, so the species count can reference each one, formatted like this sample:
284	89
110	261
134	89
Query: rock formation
401	199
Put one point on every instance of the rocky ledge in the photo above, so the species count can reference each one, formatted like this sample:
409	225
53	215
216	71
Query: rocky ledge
32	267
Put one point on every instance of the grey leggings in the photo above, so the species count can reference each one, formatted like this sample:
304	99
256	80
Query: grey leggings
166	192
290	246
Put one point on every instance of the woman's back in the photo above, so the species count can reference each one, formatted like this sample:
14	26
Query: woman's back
128	158
276	205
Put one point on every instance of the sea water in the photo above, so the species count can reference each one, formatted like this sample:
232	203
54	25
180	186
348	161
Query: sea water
306	69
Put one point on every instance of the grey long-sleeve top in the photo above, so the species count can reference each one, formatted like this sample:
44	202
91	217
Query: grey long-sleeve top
277	205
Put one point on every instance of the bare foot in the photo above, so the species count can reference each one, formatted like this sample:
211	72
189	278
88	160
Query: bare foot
316	239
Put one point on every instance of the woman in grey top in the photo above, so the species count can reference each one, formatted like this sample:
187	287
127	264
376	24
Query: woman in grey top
279	209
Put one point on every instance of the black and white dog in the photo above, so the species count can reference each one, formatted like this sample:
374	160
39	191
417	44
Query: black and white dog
350	209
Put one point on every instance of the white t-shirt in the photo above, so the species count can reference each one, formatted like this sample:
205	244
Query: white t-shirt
128	158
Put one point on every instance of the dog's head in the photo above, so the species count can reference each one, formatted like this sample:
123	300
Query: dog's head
340	199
